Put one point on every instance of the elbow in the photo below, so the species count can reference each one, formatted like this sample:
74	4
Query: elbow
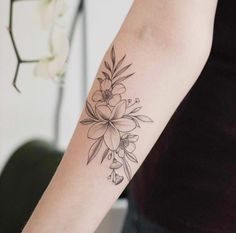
192	46
183	44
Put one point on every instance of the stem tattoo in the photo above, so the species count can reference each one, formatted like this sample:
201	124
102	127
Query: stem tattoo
113	119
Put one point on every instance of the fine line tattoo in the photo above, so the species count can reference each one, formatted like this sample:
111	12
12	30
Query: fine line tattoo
113	119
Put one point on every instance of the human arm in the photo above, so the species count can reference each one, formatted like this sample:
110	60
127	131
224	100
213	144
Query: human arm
168	43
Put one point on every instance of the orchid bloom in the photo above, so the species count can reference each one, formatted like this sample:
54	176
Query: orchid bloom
50	10
54	65
110	124
109	94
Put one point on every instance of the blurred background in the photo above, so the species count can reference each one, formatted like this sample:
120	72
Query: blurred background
37	123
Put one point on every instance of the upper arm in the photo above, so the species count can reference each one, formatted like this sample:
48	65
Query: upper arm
176	22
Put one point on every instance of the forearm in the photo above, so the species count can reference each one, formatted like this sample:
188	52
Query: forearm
85	184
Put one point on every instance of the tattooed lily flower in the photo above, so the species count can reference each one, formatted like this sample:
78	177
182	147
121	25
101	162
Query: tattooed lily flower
110	124
54	65
127	144
109	94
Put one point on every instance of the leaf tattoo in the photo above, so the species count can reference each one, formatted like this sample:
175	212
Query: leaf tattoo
113	119
94	149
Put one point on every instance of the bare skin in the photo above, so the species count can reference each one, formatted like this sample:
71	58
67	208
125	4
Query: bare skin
167	43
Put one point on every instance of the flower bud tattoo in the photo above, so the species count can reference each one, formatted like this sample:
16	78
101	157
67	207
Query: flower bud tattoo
113	120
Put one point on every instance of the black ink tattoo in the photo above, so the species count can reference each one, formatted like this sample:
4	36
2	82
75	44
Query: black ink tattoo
113	119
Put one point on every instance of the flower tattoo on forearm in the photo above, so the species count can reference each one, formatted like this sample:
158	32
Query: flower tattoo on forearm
113	119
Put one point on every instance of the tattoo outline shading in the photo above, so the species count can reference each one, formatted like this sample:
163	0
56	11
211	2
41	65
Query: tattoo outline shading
113	119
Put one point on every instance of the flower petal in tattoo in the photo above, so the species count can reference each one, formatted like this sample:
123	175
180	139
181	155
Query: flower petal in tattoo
110	125
127	146
109	94
112	119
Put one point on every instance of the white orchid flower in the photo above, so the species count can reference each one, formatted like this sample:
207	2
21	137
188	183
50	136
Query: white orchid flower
53	66
50	11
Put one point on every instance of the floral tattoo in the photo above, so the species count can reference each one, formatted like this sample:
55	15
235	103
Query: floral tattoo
113	119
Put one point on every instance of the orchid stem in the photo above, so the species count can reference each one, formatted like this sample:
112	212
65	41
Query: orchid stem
60	92
18	57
